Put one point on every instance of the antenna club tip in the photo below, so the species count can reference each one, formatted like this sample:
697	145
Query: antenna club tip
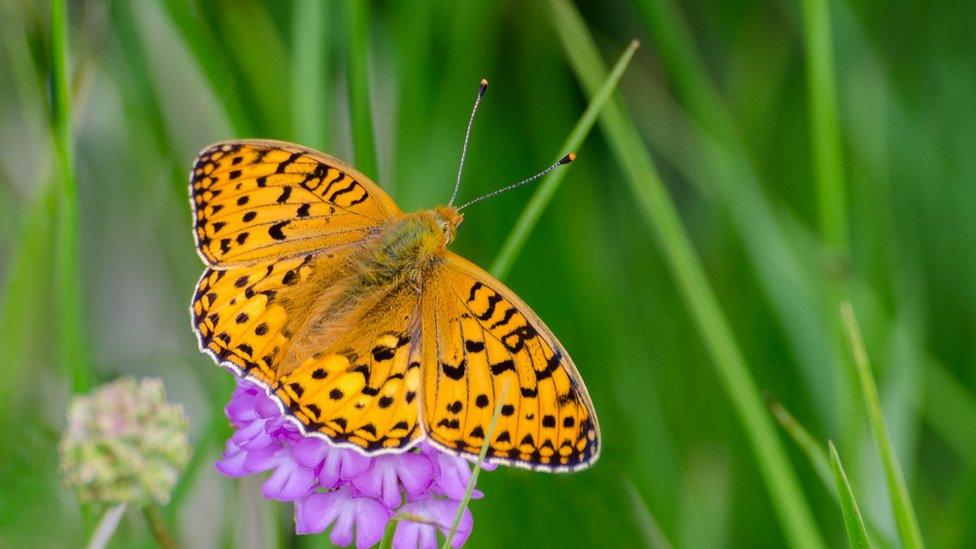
482	87
567	159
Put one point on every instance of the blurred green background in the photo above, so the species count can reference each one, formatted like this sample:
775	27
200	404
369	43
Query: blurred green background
804	154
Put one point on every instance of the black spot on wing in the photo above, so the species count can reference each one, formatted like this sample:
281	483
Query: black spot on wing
289	161
551	366
502	366
275	231
474	290
285	193
505	318
492	303
454	372
348	188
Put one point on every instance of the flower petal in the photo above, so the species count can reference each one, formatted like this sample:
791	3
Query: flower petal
440	512
371	521
342	464
407	534
415	472
452	476
310	452
445	509
290	481
380	481
314	513
232	461
341	533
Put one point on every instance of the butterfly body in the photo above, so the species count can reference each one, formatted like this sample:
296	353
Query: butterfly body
363	326
405	246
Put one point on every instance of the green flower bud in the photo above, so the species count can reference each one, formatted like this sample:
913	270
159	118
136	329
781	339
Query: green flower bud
124	443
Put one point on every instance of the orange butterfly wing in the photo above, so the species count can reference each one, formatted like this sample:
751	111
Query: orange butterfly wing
277	223
261	201
480	337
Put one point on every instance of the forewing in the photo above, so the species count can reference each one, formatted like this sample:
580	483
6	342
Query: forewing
258	201
479	338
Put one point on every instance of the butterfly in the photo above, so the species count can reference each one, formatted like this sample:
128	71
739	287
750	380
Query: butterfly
362	326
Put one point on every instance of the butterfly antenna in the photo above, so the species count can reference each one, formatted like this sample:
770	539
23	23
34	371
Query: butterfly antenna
561	162
482	88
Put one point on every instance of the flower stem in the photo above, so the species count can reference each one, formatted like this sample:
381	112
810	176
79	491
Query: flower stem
157	527
106	527
473	481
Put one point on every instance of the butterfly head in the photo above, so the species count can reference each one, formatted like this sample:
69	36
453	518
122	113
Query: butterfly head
448	219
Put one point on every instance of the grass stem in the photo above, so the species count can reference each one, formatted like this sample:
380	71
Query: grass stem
473	481
663	221
363	142
106	527
825	125
901	504
310	59
205	50
72	350
857	535
550	184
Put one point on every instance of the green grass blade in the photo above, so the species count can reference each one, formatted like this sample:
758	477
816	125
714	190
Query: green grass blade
825	123
150	108
473	481
310	56
550	184
901	503
106	527
661	216
945	401
857	535
650	528
256	54
72	350
819	459
212	63
23	292
812	449
723	165
676	46
360	112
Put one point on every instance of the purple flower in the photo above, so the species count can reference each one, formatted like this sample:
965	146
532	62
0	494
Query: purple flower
341	466
433	514
353	495
344	508
389	475
451	474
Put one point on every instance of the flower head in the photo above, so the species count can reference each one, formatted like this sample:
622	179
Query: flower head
352	495
124	443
